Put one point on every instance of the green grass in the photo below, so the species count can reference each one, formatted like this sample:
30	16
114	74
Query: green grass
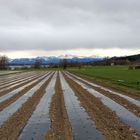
119	75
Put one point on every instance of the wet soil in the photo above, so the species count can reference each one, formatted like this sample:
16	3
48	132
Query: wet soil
60	125
127	92
18	95
105	119
15	87
11	129
127	104
13	81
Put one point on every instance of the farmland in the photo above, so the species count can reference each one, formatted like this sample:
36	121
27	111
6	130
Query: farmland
59	105
7	72
120	76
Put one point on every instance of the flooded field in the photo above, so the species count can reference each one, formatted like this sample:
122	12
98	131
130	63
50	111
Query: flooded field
58	105
7	72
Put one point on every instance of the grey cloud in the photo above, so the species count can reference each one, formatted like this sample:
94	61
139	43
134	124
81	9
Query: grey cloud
60	25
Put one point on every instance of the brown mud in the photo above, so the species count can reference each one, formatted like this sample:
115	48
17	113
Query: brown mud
105	119
11	100
12	128
15	87
125	103
115	88
60	125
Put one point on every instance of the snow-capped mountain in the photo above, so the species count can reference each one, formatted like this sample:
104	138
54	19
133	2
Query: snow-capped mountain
53	60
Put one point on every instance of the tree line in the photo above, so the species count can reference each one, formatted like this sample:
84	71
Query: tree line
3	62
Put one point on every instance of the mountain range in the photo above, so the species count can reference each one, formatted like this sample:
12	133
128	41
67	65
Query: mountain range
53	60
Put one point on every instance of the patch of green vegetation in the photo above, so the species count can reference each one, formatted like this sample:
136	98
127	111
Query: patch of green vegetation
119	75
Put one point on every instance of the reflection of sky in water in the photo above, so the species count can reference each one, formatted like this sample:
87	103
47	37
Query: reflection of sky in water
18	82
126	116
134	101
39	122
14	92
83	128
8	111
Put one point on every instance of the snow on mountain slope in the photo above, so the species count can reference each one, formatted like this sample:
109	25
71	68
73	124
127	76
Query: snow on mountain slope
53	59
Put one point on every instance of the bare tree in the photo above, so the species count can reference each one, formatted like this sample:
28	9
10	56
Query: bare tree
3	62
64	63
38	63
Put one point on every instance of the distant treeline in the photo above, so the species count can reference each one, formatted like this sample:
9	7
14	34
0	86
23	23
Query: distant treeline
124	60
64	63
130	58
3	62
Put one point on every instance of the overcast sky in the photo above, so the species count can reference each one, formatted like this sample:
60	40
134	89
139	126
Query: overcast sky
30	28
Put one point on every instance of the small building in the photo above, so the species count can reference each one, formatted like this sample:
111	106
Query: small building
135	65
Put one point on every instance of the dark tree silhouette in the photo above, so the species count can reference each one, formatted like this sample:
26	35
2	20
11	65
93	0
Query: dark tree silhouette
38	63
64	63
3	62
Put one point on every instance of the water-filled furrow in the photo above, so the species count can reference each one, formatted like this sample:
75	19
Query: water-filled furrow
83	127
125	116
39	122
17	82
134	101
10	110
14	92
10	78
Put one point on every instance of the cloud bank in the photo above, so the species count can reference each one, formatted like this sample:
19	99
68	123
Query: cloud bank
52	25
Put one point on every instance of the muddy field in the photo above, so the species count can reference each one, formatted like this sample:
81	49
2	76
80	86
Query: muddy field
55	105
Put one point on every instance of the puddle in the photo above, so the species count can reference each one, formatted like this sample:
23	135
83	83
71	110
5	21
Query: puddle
18	82
6	80
10	110
82	126
125	116
39	122
14	92
8	72
11	78
134	101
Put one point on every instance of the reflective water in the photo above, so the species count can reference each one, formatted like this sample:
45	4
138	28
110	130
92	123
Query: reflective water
18	82
39	122
125	116
16	91
134	101
10	78
83	127
10	110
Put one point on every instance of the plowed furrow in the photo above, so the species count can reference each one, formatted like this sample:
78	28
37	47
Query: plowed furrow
16	86
60	125
122	101
105	119
12	128
6	103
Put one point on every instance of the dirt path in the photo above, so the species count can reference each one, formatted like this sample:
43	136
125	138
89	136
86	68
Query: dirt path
6	103
60	125
104	118
18	119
